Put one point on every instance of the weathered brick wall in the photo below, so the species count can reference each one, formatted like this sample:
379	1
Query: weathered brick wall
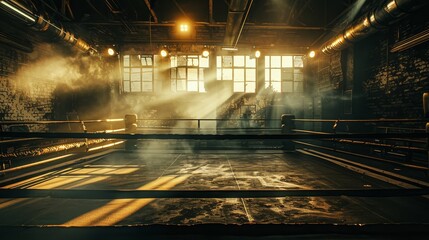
396	81
384	84
18	101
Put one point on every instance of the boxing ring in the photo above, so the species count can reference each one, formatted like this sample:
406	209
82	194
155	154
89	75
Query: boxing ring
134	178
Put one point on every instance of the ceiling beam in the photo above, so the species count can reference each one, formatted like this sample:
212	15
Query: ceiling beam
291	12
302	9
65	5
210	11
268	26
152	12
180	9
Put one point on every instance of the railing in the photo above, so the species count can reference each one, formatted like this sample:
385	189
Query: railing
396	141
27	146
209	126
411	146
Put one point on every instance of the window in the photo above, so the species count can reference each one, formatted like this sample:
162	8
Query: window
187	73
138	73
284	73
240	69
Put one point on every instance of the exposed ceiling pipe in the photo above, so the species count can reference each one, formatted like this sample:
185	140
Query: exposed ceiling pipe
373	21
237	14
42	23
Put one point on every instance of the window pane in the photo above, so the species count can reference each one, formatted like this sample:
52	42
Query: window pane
127	60
287	86
250	87
275	61
173	61
219	74
126	74
181	60
126	86
192	74
136	86
239	74
135	74
192	86
204	62
238	61
147	74
267	75
298	75
181	73
238	86
147	86
287	74
202	88
276	86
149	61
227	74
173	85
250	75
201	75
173	73
267	84
146	60
193	61
275	75
267	61
181	85
298	86
250	62
226	61
298	62
287	61
135	61
218	61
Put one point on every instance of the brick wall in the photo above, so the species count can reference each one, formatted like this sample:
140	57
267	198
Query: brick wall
18	101
395	82
383	84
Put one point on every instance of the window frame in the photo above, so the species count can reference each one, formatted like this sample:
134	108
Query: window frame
286	75
189	66
244	67
140	70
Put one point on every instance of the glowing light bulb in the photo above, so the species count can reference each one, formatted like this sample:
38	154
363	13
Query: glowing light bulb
163	53
312	54
257	54
110	51
184	27
206	53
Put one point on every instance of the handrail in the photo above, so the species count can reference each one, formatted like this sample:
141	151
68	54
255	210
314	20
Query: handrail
210	136
60	122
360	120
207	119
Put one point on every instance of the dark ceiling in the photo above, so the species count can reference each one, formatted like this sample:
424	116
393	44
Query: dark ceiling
279	23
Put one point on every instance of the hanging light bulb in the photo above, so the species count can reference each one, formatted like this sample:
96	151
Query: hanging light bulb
205	53
164	53
312	54
111	51
257	54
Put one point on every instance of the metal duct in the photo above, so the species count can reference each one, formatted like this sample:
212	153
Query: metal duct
43	24
237	14
378	18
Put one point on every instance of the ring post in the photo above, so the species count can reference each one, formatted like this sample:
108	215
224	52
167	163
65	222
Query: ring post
287	125
426	116
130	121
